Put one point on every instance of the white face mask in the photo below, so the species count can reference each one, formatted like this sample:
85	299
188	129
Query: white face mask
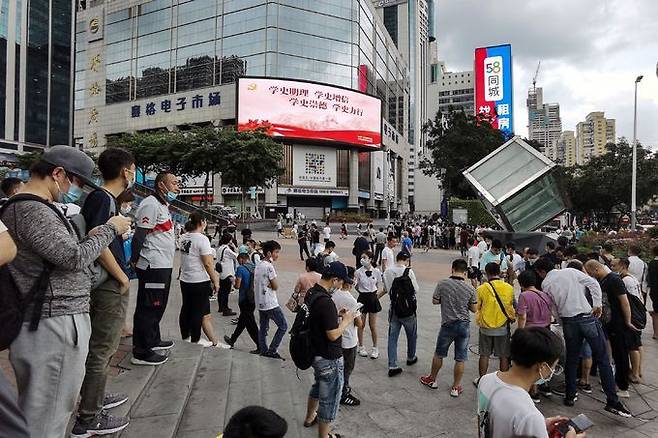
365	263
125	210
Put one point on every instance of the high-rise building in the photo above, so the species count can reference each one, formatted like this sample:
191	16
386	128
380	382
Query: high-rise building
544	123
567	151
409	23
593	135
168	64
450	90
36	41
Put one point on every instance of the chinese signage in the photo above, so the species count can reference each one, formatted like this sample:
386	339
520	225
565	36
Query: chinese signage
493	86
238	190
390	133
180	103
314	166
309	111
306	191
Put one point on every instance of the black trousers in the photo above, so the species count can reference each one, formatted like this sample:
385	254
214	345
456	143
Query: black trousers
195	306
246	320
619	345
303	248
379	247
152	296
225	286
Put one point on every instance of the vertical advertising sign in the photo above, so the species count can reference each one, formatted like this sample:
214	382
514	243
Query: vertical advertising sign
493	86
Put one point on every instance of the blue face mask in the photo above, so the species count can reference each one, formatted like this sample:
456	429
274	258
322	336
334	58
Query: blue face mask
171	196
74	193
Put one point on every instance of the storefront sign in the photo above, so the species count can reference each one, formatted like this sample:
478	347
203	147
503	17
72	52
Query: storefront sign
309	191
238	190
181	103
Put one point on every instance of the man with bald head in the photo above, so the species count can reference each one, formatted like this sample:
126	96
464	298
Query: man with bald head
619	329
580	321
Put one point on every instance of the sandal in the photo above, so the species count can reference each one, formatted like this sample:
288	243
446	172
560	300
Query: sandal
311	423
350	400
335	435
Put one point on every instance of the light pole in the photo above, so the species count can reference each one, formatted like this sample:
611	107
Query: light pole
634	177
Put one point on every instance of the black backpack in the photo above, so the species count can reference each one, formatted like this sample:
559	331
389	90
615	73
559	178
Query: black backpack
638	312
403	296
13	304
320	258
301	346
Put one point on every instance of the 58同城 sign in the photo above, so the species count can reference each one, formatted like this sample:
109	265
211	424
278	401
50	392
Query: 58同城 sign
493	85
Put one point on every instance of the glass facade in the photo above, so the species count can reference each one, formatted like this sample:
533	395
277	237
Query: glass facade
169	46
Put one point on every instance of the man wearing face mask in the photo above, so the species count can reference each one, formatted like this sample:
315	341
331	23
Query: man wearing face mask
109	301
49	353
505	408
153	248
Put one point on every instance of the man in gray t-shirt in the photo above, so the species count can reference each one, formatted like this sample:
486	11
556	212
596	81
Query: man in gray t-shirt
457	298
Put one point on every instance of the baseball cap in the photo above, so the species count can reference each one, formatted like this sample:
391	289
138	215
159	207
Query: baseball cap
73	161
403	255
337	269
243	249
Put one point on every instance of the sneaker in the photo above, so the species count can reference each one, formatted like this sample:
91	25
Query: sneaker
112	400
561	390
163	345
412	361
79	431
187	340
392	372
228	312
234	321
212	298
545	390
362	351
585	387
618	409
476	382
204	343
228	341
623	394
570	401
374	353
222	346
103	424
272	355
535	397
152	359
429	382
256	351
455	391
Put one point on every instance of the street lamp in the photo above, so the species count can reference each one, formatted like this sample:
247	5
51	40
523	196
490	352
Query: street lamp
634	177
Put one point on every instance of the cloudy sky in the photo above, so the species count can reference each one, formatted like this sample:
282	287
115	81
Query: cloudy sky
590	50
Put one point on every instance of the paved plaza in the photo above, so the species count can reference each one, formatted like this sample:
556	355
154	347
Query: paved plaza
197	390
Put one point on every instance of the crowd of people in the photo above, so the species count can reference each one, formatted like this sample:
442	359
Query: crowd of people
581	313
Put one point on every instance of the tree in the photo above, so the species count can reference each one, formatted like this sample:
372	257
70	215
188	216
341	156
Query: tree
457	140
603	185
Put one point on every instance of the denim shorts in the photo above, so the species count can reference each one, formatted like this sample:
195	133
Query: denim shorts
586	350
457	332
328	387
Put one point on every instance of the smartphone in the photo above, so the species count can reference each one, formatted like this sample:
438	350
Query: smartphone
580	423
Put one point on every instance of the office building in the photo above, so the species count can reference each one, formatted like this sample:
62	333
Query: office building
35	74
168	64
593	135
567	150
450	90
544	122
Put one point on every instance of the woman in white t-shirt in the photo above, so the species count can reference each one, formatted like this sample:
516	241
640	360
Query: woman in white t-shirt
368	283
198	281
227	259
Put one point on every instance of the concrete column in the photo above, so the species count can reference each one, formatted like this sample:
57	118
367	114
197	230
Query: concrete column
353	200
404	195
217	196
373	177
271	197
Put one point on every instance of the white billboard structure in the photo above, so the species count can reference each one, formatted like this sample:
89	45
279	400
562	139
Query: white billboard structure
518	186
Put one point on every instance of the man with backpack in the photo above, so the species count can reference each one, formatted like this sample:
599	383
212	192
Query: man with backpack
109	300
325	336
48	350
402	287
244	282
327	256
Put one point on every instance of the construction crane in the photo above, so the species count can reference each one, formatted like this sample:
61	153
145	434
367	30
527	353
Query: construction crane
534	79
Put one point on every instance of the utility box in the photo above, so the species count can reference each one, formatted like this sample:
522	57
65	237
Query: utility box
518	185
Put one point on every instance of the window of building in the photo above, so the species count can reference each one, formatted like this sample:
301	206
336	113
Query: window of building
391	22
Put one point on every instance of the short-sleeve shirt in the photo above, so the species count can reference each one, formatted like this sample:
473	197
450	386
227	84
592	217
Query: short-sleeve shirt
490	257
474	256
387	254
365	283
96	210
264	295
323	317
160	241
3	228
512	412
536	306
407	244
343	299
193	246
456	298
227	259
614	287
244	274
632	285
327	232
491	319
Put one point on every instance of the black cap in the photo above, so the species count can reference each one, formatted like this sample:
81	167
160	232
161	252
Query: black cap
73	161
337	269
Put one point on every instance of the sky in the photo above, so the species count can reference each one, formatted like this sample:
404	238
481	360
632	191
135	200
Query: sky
591	51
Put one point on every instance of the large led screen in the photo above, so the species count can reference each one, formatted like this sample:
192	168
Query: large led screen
309	111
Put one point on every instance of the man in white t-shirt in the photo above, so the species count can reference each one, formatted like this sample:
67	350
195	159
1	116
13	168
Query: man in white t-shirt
266	286
484	244
326	233
505	409
638	268
344	300
388	257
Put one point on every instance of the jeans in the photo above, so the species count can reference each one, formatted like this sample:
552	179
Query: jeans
246	320
327	387
586	327
349	359
152	297
279	319
395	324
454	331
107	310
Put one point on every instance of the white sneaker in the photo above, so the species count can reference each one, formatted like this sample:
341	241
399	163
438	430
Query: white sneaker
204	343
362	351
623	394
223	346
186	340
374	353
